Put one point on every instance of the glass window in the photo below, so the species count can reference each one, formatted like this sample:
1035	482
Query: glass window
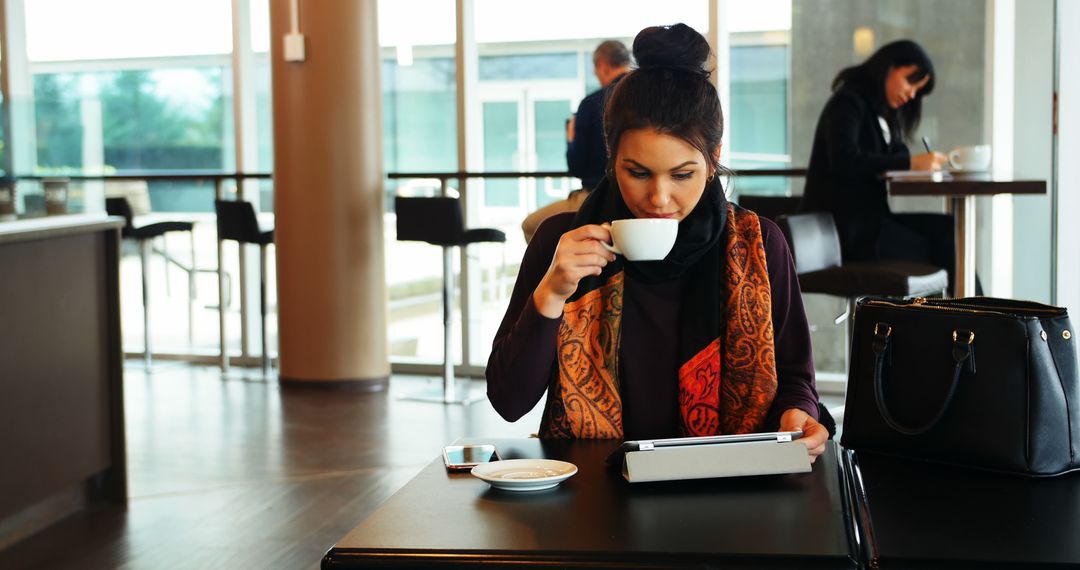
529	66
132	119
123	85
419	135
498	21
260	25
118	29
420	115
759	112
759	83
501	152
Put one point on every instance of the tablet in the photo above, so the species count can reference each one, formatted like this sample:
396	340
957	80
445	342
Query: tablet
651	444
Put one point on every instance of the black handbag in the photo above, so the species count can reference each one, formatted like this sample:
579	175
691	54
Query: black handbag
978	382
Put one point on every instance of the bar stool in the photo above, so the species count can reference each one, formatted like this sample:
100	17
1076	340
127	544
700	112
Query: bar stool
143	236
439	221
236	221
815	246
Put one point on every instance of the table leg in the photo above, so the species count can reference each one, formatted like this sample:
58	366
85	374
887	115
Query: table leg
963	211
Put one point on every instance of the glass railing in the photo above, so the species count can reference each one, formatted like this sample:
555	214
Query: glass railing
192	330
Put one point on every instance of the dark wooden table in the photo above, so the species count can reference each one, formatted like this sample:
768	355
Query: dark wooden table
924	515
961	189
597	519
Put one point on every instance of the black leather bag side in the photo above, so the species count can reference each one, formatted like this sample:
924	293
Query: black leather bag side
1014	407
1062	345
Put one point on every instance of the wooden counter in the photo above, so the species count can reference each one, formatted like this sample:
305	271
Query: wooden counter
61	370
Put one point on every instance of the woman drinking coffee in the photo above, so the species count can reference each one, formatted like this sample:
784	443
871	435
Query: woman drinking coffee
712	339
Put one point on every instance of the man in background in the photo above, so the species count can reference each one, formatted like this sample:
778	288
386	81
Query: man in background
586	152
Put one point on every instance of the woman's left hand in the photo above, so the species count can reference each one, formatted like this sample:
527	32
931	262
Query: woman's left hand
814	434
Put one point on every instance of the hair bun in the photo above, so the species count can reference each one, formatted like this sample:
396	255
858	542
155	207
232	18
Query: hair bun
675	47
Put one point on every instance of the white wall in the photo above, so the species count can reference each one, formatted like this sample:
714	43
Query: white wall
1033	147
1068	149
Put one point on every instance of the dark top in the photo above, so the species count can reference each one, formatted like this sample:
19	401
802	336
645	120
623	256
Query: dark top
523	355
849	157
586	156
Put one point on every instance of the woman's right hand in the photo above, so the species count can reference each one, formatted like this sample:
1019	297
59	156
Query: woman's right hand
929	161
578	254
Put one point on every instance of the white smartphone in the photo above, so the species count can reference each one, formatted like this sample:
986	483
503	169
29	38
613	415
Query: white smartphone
462	457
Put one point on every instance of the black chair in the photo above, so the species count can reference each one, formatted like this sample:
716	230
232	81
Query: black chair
770	207
815	245
439	221
143	236
236	221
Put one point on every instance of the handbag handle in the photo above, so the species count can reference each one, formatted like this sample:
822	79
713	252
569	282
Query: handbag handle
963	351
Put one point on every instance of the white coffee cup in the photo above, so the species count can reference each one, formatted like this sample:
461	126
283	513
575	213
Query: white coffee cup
975	157
642	239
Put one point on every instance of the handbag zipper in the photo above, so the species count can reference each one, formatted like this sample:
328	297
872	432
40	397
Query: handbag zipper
920	303
1007	310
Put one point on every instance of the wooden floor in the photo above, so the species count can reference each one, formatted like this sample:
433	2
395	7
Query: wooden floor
236	472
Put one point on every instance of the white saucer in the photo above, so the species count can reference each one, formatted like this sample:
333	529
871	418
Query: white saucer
524	474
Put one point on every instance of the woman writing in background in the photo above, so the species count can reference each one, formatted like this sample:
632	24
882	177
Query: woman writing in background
711	340
874	108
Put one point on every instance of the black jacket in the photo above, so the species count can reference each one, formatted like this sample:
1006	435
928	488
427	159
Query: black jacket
849	157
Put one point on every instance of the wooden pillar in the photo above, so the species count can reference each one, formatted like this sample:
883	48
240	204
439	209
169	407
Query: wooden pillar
328	181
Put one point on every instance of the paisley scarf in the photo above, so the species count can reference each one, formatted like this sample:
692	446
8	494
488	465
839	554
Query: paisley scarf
727	381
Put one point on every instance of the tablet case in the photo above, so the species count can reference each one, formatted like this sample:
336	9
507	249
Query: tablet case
716	460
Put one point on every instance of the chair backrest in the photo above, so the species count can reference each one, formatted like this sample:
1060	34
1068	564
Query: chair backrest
815	243
120	207
436	221
236	220
771	207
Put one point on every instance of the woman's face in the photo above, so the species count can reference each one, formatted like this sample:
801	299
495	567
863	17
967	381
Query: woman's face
659	175
898	87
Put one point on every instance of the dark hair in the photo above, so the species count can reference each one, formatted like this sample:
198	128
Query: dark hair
869	77
613	52
669	91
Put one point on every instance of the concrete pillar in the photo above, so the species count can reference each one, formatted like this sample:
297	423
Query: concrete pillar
329	196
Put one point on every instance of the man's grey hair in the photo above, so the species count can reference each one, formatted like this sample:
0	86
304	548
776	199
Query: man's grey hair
613	52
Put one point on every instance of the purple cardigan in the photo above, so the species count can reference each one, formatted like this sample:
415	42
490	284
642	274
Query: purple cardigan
523	354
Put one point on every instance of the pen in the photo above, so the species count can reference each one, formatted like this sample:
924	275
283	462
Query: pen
926	143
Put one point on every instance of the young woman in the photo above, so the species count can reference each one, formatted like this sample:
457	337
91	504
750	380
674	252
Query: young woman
712	339
874	108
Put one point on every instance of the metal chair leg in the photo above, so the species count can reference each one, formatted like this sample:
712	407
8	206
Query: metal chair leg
191	293
448	313
262	311
144	257
165	255
223	298
449	392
